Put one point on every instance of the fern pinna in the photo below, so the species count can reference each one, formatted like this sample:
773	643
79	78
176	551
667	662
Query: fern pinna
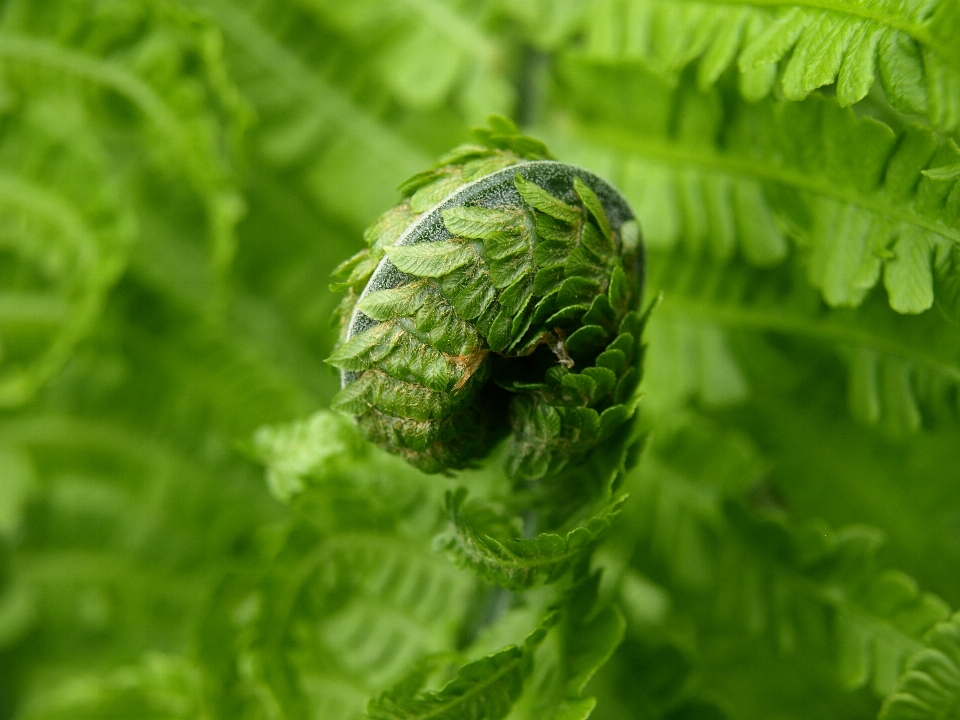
666	432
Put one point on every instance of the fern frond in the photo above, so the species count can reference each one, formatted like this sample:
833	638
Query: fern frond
902	371
66	231
67	252
769	574
21	48
485	689
303	449
692	360
347	159
127	554
515	563
850	191
408	605
797	47
130	523
191	128
930	686
164	687
425	52
100	129
398	603
589	632
347	598
419	350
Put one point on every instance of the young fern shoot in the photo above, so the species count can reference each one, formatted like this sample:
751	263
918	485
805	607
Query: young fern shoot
503	279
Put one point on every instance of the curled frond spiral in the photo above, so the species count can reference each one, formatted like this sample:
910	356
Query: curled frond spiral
504	284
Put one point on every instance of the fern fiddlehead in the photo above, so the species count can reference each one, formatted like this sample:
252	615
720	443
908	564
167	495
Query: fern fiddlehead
504	282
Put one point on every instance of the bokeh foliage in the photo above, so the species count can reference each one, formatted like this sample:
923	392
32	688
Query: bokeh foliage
178	179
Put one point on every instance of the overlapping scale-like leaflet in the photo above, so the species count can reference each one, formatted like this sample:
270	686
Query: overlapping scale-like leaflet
504	285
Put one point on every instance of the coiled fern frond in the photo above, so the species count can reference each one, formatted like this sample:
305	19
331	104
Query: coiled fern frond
503	282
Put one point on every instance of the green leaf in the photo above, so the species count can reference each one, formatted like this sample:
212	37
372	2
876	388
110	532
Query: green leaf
691	359
908	276
311	448
797	47
437	325
590	201
423	57
484	689
845	260
900	367
950	172
878	617
539	199
518	564
595	633
930	685
431	259
515	298
471	294
68	252
587	340
849	191
948	284
148	326
576	291
587	635
482	223
395	303
368	347
161	686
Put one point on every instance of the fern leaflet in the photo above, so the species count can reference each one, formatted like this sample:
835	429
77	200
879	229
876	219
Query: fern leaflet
797	47
930	686
707	538
902	371
850	191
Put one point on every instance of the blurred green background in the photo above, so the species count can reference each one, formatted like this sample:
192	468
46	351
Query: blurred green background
177	180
